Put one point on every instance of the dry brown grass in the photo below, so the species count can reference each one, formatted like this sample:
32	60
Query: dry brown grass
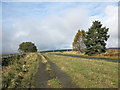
109	54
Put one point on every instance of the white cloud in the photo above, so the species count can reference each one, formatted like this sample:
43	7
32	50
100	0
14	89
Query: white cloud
110	20
52	32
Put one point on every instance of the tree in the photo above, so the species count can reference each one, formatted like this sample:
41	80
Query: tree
82	46
27	47
95	39
78	44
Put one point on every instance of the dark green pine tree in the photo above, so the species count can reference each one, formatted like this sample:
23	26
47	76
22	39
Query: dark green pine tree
95	39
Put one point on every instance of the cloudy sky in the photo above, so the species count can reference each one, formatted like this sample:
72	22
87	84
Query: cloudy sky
53	25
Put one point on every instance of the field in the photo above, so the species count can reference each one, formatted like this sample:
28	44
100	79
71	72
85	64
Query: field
86	73
47	70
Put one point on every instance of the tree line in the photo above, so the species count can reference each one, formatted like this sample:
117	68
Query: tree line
91	42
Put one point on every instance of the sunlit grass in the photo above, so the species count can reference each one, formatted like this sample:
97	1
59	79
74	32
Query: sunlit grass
87	73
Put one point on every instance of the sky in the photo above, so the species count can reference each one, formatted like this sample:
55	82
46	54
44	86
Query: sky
53	25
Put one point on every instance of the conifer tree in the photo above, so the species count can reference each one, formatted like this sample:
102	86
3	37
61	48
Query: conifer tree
95	39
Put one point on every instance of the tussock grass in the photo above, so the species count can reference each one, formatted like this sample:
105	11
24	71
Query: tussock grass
54	83
88	73
19	74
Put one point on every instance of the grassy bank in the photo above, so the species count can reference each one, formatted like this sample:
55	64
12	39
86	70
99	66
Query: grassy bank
88	73
95	56
19	74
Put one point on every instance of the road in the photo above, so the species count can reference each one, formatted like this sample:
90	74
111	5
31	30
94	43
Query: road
110	60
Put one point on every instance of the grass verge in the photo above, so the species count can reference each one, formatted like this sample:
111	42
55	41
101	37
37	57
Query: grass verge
97	56
88	73
19	74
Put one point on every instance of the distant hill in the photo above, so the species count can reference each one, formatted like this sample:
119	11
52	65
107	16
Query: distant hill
114	48
61	50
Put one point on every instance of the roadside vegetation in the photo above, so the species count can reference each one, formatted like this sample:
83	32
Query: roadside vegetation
109	54
86	73
19	74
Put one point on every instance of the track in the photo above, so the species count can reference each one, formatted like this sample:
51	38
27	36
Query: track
42	76
66	81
